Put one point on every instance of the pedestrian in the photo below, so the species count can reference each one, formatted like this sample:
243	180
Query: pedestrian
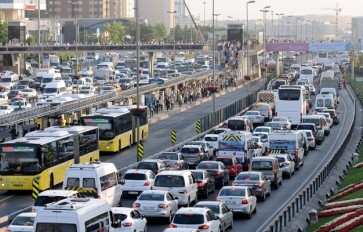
151	109
13	133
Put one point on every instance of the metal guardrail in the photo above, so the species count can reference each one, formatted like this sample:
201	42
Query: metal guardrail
40	111
287	214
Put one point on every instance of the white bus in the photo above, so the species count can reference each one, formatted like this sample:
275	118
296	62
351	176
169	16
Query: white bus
290	103
75	215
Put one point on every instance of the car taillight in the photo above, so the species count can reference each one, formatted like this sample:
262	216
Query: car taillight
201	184
147	183
334	116
258	185
244	201
200	154
136	205
183	192
311	139
234	184
163	206
172	226
218	173
218	199
268	151
296	153
203	227
176	165
127	224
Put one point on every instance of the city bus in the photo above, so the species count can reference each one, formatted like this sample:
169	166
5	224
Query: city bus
290	103
117	127
44	155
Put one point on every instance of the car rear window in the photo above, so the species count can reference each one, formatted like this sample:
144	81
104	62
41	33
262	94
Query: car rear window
169	181
147	165
188	218
232	192
190	150
151	197
23	221
262	165
135	176
226	161
43	200
210	138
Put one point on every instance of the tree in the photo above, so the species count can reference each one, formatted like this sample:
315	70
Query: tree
30	40
115	32
146	32
3	32
159	31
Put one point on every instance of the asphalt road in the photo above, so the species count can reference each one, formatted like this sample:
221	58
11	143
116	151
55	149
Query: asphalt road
183	123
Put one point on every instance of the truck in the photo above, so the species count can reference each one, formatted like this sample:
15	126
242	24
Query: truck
267	96
54	61
328	80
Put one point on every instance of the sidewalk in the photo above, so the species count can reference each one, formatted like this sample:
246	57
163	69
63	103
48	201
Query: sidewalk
169	113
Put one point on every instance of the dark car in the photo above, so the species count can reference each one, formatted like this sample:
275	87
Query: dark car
319	137
194	154
216	169
205	181
233	165
27	81
154	165
14	94
333	114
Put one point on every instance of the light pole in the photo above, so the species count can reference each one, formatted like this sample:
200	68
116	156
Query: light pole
74	4
301	29
204	11
247	40
39	32
288	26
214	63
312	30
137	72
278	25
173	12
264	11
306	30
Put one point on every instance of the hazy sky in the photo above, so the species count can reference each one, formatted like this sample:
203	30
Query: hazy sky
237	8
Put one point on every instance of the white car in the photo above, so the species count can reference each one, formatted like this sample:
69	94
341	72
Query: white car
264	137
22	222
29	93
6	109
311	142
259	146
196	218
135	181
284	120
328	118
287	165
128	219
239	199
255	117
156	204
212	139
221	210
21	104
267	129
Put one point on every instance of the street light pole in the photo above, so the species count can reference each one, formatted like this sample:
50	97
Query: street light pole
247	45
297	19
173	12
73	3
264	40
39	32
137	72
204	12
278	24
214	62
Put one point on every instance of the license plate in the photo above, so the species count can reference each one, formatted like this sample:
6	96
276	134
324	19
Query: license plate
133	193
230	202
148	208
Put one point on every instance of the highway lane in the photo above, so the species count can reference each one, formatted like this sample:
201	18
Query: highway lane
290	187
158	140
265	209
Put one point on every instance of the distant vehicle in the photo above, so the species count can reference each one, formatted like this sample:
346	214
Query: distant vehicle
216	169
128	220
259	184
175	160
135	181
220	210
23	222
50	196
206	182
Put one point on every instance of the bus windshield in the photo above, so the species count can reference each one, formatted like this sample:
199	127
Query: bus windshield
19	159
289	94
105	127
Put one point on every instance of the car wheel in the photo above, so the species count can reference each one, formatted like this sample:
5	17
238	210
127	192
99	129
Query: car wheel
196	199
170	218
289	174
227	182
277	185
249	215
231	226
255	210
263	198
188	203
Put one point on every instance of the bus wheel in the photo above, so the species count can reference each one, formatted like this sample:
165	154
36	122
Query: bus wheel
142	135
51	182
130	142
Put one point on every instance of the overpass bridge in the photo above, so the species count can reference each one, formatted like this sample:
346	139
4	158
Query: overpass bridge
19	49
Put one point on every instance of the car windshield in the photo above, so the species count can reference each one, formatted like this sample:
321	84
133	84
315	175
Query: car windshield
43	200
135	176
151	197
190	150
119	217
211	138
188	218
169	181
214	208
198	175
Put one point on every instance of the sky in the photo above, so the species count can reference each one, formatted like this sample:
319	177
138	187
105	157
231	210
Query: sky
237	8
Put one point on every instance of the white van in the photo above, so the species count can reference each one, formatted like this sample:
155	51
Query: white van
307	73
83	81
325	100
318	120
9	81
95	179
55	89
50	77
288	142
265	109
270	167
54	195
331	91
105	65
237	143
181	184
77	214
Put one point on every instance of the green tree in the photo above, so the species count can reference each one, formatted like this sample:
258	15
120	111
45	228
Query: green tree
115	31
146	32
3	31
30	40
160	31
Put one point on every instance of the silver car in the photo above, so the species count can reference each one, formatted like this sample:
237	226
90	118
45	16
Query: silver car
239	199
207	147
156	204
287	165
258	183
221	210
175	160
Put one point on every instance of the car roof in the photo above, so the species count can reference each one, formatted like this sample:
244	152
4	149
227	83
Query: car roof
57	192
208	202
27	214
192	210
151	191
143	171
121	210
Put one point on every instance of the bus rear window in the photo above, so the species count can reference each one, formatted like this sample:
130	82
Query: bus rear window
289	94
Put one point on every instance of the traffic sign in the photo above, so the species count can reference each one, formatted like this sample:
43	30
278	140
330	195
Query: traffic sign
140	151
197	127
35	191
173	137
